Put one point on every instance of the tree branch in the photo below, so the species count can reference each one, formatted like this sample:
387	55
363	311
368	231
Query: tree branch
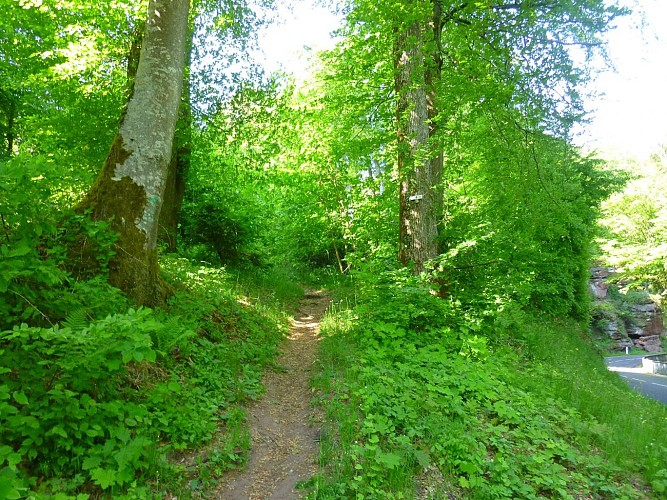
4	227
33	306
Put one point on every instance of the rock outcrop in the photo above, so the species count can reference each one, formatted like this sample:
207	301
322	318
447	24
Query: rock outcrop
598	281
629	319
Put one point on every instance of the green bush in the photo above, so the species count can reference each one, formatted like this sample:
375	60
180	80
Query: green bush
424	385
70	404
53	263
634	223
212	224
98	407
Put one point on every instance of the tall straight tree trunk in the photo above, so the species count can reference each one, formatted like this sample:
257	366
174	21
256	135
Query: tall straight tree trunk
11	117
9	107
129	190
420	170
432	79
180	161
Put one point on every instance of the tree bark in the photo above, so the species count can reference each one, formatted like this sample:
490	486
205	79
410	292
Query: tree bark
129	191
420	168
175	185
9	108
180	161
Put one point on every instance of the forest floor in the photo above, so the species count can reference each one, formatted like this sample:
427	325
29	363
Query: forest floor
284	427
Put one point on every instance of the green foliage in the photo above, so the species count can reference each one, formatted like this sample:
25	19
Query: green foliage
412	384
53	262
226	206
70	408
634	224
576	374
98	406
96	399
218	367
63	81
212	225
528	242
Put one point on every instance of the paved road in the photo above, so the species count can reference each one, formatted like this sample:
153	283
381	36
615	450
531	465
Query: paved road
630	368
624	361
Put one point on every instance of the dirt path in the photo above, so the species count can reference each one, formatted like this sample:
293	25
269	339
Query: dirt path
282	425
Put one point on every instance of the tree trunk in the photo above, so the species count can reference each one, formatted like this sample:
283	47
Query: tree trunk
129	190
9	108
180	162
11	116
420	171
175	186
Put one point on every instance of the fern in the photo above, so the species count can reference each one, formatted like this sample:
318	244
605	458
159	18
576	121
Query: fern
77	319
170	334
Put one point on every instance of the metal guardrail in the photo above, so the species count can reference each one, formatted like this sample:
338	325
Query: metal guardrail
655	363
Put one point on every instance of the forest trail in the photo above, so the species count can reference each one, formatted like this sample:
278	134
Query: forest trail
283	425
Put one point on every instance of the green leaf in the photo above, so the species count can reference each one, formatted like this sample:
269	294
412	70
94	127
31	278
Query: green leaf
174	386
103	477
114	364
8	454
20	397
422	457
390	460
13	459
150	355
59	430
22	249
8	488
91	462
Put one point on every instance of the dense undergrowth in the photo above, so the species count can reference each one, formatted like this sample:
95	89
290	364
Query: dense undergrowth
426	399
120	404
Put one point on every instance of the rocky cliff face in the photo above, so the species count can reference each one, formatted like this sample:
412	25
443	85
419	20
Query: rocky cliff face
628	318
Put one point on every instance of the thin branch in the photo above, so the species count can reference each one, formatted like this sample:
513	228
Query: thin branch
33	306
536	161
451	14
5	227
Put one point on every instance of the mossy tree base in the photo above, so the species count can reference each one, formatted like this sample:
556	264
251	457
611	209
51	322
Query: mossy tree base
129	193
134	269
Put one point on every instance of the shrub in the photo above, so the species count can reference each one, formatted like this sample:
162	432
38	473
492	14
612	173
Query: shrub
71	407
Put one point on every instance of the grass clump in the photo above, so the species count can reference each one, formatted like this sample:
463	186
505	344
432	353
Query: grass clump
426	400
630	429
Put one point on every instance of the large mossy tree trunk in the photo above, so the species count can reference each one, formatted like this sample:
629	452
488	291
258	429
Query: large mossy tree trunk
419	166
129	191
